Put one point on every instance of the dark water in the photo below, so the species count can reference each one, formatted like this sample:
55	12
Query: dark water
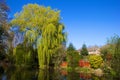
33	74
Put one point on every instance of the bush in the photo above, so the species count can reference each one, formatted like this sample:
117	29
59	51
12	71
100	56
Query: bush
95	61
83	69
69	69
98	72
64	64
83	63
116	60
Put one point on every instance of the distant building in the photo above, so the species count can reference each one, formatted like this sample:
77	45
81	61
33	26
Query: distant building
92	50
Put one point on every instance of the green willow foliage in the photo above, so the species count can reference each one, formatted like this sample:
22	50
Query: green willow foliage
43	29
20	56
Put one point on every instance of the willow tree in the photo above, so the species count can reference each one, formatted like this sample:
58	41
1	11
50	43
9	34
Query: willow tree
43	28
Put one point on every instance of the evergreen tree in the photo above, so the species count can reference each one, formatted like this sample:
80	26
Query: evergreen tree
84	50
70	48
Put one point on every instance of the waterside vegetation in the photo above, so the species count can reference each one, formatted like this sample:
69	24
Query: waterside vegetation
40	42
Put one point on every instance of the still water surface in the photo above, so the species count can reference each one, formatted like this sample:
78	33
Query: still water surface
33	74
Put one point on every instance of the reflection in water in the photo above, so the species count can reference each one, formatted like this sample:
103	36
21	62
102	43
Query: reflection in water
73	76
33	74
19	74
85	76
43	75
4	77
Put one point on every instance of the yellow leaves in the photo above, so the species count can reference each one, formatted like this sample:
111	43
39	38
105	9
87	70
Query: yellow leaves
95	61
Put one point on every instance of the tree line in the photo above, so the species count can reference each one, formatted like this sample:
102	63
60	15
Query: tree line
44	40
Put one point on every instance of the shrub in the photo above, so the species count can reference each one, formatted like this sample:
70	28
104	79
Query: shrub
83	63
83	69
116	60
69	69
98	72
95	61
64	64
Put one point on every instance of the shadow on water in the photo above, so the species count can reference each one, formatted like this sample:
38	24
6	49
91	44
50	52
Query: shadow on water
35	74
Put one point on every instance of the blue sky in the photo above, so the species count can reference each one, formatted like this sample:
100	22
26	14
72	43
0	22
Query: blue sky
86	21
